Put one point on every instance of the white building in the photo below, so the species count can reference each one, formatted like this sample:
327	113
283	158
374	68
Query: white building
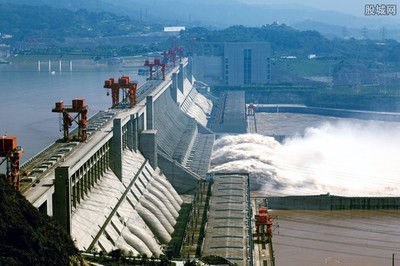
233	64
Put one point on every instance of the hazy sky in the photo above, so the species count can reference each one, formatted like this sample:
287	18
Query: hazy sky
354	7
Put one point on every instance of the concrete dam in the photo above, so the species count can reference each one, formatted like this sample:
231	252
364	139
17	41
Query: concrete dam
119	188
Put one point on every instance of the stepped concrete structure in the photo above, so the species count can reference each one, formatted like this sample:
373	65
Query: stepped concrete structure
228	232
231	114
119	189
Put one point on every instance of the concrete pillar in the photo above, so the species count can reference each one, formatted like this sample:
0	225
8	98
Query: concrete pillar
93	170
148	146
90	178
78	191
99	168
149	113
50	206
47	206
129	133
62	198
133	128
190	70
86	181
105	161
181	78
174	87
74	193
116	148
141	124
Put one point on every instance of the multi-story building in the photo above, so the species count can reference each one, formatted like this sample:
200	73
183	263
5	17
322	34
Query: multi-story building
233	63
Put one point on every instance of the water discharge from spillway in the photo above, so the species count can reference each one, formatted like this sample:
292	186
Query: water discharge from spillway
349	159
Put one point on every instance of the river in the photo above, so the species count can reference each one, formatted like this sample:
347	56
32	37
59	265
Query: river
320	155
344	156
346	238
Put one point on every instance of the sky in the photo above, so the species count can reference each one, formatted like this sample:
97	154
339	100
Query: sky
353	7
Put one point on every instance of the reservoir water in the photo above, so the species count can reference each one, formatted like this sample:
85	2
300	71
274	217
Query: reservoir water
28	96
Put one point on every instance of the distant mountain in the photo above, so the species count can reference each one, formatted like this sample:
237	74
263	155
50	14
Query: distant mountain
72	4
337	31
225	13
217	13
37	25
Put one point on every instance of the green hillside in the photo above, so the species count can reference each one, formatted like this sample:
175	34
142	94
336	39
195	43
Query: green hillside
35	23
28	237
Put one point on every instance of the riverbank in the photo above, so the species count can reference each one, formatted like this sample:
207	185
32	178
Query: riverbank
379	98
81	58
21	58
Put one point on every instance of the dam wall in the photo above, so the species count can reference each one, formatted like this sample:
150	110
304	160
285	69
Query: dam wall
184	144
114	190
175	129
330	202
126	221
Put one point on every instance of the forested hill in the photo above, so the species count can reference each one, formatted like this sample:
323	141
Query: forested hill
50	26
25	22
280	36
28	237
285	40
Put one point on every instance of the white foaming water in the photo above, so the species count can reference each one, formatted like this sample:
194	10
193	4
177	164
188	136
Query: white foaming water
351	159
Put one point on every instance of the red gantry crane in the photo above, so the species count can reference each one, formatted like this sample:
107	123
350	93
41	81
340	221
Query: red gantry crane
79	107
173	53
127	86
157	63
264	224
12	154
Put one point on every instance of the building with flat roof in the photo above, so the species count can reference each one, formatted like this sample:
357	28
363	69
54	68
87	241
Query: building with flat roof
233	63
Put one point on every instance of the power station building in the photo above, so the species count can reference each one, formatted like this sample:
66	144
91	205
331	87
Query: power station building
233	63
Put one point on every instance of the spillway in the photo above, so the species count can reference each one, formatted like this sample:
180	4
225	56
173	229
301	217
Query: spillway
197	106
161	206
184	143
140	223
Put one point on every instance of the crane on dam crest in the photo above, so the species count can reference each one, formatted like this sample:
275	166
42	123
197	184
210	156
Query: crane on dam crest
12	154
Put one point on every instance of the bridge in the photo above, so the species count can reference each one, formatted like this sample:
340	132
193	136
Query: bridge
120	188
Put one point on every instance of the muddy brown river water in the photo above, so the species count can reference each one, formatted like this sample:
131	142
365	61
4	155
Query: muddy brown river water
356	238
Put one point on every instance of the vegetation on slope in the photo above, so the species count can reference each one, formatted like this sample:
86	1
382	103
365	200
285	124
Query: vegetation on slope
29	237
29	23
286	40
